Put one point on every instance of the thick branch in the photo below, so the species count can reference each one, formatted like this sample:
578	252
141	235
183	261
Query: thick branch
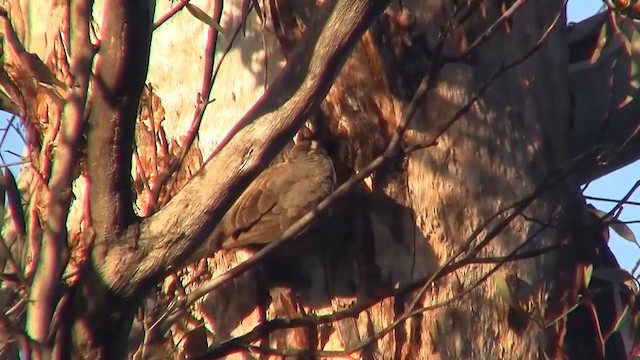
118	81
167	237
598	90
121	70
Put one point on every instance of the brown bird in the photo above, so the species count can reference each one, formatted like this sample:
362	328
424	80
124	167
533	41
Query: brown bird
277	198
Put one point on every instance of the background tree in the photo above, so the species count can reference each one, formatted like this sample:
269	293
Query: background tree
451	129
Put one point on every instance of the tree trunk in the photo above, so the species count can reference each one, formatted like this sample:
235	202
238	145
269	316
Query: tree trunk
417	210
496	169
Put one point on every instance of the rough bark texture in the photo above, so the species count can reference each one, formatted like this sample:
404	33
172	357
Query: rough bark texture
396	228
415	213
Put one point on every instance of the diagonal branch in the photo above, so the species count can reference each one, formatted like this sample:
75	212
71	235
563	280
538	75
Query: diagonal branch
168	237
174	10
425	86
450	266
139	258
408	114
268	327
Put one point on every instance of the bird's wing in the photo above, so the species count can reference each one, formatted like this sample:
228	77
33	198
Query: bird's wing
301	197
254	217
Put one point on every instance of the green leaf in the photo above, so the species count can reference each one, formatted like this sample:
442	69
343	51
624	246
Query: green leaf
599	213
617	27
616	225
14	202
614	275
624	319
202	16
587	272
622	229
634	84
3	190
554	320
503	289
632	47
602	41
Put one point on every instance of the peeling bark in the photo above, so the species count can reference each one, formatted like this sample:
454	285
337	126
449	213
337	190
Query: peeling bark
312	61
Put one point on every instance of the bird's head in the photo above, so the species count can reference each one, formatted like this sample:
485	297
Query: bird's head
306	150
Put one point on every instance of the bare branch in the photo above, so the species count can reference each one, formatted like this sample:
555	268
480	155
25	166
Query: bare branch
507	15
242	342
595	198
624	199
53	254
167	237
169	14
525	202
390	151
299	225
448	267
121	70
208	79
518	207
29	62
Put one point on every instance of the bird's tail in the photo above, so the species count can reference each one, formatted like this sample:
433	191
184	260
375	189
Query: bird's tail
211	244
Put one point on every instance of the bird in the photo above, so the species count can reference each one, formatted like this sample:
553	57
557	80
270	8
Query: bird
276	199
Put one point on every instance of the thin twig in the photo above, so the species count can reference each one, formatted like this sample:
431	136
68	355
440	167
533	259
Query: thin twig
618	201
485	35
19	131
5	131
624	199
303	222
46	282
170	14
260	330
16	163
203	101
424	87
312	215
501	70
10	328
518	208
413	312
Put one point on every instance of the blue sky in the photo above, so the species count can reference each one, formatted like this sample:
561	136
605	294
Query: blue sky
582	9
612	186
12	142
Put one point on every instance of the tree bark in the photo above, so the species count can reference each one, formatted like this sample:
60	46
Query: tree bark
353	73
419	210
